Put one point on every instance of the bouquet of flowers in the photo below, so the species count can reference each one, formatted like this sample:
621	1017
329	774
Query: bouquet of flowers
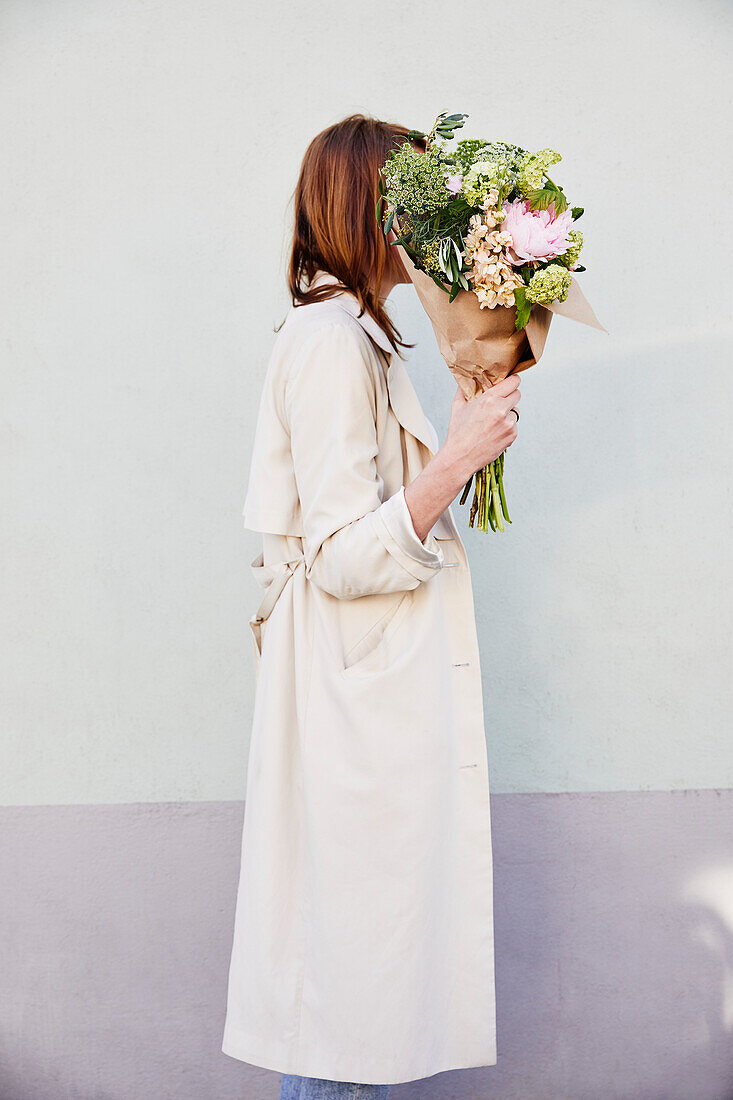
481	225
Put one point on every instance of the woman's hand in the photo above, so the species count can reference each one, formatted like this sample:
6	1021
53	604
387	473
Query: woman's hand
479	430
482	427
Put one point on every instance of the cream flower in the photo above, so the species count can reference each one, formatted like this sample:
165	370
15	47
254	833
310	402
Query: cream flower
492	276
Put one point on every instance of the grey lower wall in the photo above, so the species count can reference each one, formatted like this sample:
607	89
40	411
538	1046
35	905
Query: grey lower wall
614	941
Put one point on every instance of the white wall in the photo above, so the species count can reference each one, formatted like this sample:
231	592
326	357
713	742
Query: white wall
149	152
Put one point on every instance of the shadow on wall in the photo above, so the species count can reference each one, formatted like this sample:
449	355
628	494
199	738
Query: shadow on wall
613	952
709	895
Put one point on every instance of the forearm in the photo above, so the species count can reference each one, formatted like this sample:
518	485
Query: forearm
435	487
380	552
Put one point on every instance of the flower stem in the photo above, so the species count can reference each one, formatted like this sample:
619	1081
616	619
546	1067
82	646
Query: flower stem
500	480
475	501
495	494
481	479
487	501
488	507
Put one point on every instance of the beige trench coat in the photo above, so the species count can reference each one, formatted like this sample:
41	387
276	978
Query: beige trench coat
363	944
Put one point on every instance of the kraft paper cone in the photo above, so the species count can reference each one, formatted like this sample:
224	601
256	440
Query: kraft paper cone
576	307
482	346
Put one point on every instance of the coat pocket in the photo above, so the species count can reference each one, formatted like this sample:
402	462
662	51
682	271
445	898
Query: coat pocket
369	654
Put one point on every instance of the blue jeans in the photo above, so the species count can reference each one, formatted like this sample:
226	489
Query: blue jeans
314	1088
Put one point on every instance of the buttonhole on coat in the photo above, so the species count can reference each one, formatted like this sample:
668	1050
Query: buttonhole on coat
469	765
461	664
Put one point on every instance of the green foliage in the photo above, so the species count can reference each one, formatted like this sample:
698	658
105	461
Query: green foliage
415	181
570	256
466	153
430	257
445	127
524	307
444	227
542	197
452	265
551	284
430	223
485	176
511	156
533	169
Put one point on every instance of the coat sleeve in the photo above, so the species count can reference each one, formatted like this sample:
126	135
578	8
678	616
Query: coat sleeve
356	543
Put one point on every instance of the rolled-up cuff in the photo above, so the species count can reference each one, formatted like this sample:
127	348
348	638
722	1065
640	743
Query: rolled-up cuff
395	528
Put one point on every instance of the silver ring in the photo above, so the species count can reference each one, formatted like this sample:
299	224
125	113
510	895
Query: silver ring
516	414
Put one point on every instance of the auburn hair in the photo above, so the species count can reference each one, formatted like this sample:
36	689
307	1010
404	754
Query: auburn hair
335	223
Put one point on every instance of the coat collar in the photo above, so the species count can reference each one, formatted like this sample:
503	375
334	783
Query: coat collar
402	396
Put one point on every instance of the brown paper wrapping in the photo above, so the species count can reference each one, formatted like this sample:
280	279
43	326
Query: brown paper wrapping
482	346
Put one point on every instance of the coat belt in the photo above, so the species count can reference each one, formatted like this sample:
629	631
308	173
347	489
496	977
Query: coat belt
273	579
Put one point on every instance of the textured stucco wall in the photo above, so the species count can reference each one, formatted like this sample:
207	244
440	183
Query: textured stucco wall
149	153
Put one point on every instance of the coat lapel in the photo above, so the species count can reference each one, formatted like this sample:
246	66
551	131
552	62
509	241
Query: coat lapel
406	405
402	396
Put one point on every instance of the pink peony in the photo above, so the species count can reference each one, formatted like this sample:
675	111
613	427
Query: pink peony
536	234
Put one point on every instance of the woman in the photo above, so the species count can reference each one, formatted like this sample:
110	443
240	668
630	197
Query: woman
363	944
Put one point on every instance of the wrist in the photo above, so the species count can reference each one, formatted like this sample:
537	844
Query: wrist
452	468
